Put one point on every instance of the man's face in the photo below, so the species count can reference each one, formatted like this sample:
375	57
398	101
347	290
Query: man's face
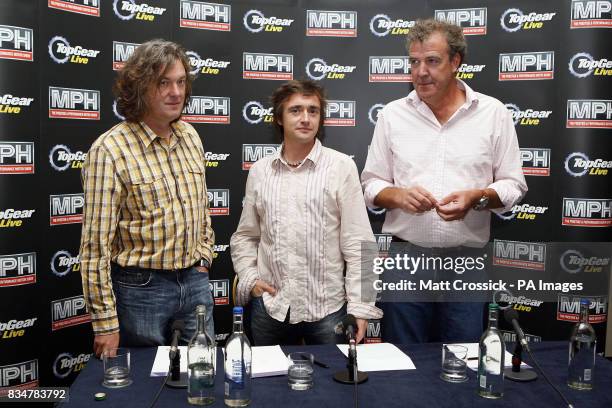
433	71
301	117
165	99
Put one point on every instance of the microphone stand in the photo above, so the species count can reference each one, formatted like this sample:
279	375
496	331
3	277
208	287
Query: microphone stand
352	375
177	379
515	373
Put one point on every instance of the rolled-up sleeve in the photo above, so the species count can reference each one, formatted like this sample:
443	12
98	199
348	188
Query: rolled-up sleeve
377	173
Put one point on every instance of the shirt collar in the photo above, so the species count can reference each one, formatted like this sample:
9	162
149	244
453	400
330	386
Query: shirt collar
471	97
314	156
147	136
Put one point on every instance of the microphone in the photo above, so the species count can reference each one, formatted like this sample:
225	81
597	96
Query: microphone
511	317
347	327
177	328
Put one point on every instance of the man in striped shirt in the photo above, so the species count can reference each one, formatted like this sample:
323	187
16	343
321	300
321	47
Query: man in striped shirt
146	242
304	245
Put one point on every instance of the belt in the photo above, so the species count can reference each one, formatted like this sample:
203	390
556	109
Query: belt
139	269
428	250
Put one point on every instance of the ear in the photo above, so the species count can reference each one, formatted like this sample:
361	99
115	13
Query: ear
456	61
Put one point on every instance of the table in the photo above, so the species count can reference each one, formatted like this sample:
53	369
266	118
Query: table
415	388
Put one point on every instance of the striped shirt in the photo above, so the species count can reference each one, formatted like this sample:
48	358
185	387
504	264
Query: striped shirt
298	229
145	206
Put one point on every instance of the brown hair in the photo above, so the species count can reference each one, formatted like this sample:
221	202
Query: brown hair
454	36
145	66
285	91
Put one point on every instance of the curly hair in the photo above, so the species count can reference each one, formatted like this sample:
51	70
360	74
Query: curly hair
455	39
143	69
285	91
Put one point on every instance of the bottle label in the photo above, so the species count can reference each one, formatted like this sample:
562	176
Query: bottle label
587	374
227	387
483	381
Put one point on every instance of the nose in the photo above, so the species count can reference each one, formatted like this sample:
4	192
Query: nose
175	89
304	116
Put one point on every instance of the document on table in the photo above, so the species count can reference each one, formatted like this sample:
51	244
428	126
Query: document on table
162	361
472	356
268	361
379	357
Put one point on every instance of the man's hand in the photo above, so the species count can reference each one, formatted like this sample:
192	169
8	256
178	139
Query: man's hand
105	342
413	200
362	325
457	204
261	287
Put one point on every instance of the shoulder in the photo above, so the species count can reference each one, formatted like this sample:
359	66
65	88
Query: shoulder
343	162
115	139
490	103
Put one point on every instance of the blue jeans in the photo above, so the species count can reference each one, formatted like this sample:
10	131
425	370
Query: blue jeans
149	301
267	331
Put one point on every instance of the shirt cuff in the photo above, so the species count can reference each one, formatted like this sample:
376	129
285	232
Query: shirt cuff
246	282
105	323
364	310
372	189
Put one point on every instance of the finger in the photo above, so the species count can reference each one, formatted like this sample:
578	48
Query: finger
432	200
419	205
268	288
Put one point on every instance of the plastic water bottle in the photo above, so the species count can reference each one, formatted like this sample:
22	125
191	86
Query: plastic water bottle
238	365
491	353
201	363
582	345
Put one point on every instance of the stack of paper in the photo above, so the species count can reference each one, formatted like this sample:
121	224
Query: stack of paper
379	357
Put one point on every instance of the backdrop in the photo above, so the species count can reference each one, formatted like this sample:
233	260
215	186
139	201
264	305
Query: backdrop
547	61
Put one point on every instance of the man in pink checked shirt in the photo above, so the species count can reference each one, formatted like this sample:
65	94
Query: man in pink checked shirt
440	160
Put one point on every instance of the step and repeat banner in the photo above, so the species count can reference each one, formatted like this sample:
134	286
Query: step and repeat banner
549	62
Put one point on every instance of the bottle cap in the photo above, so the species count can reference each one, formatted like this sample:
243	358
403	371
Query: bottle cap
237	309
493	306
201	309
100	396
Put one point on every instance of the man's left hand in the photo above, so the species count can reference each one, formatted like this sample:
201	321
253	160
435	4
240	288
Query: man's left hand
362	325
457	204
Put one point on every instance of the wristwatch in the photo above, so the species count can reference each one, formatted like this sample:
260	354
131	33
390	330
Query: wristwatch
482	202
204	263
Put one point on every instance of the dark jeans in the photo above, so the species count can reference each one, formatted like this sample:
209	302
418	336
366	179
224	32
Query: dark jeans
267	331
149	301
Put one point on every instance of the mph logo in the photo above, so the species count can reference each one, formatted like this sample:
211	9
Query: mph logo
373	112
578	164
326	23
66	208
591	14
255	22
61	52
568	308
587	212
527	117
582	65
219	201
207	109
373	333
220	291
121	52
16	43
340	113
69	312
254	112
12	104
318	69
523	212
572	261
381	25
17	269
206	16
521	255
513	20
589	113
535	161
61	158
277	67
62	262
70	103
66	364
253	152
16	157
16	376
526	65
208	66
87	7
473	21
384	243
389	69
128	9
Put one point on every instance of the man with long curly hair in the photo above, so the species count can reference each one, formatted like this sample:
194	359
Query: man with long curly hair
146	243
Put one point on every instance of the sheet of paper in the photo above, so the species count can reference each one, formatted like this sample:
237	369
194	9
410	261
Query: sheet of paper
379	357
268	361
473	356
162	361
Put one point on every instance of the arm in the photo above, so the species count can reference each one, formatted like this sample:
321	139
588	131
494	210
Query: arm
103	194
244	245
207	235
359	249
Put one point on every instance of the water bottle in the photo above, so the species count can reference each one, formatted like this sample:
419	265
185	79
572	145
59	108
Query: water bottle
491	353
237	365
582	347
201	363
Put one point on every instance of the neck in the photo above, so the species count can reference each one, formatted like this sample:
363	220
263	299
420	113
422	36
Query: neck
295	152
444	107
159	127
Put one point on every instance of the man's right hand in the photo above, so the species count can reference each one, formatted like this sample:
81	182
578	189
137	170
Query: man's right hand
414	200
105	342
261	287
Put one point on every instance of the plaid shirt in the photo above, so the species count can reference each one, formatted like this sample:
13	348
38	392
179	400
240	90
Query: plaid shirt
145	205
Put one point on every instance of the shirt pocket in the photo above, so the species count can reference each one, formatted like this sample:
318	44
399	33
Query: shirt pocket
196	177
151	192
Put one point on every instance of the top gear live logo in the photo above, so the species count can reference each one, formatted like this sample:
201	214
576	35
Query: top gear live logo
582	64
381	26
513	20
255	22
128	9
